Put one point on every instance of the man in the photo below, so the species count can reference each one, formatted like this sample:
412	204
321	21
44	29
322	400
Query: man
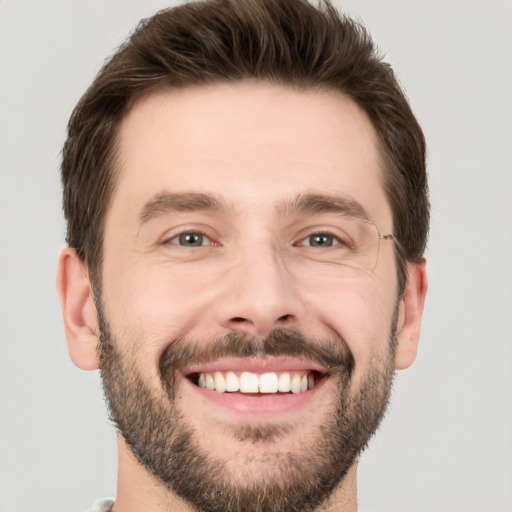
246	198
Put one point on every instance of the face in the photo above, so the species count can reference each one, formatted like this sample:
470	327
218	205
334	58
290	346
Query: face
242	340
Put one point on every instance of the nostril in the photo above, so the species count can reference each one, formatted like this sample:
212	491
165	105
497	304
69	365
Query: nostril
284	318
238	319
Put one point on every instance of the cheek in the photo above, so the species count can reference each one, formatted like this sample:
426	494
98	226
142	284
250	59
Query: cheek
360	311
160	302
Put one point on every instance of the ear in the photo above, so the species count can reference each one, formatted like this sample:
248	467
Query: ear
78	310
409	315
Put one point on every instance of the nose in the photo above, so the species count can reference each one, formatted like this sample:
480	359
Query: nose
258	294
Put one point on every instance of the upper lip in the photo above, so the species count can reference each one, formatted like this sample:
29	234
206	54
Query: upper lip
256	365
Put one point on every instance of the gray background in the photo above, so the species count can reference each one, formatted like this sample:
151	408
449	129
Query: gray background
446	444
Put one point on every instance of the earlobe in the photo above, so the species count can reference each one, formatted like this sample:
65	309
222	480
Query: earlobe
78	310
410	314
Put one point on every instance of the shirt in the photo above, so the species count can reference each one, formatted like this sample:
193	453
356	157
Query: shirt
103	505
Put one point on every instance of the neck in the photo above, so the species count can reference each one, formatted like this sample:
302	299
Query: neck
139	491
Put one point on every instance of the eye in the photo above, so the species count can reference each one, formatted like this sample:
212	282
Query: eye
190	239
320	240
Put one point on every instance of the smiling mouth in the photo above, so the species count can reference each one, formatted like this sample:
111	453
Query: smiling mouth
250	383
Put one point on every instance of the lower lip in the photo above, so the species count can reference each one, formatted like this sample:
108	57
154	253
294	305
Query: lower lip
259	405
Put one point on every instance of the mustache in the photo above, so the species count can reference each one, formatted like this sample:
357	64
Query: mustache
331	353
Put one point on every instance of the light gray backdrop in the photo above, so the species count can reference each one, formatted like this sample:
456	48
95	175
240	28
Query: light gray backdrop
446	444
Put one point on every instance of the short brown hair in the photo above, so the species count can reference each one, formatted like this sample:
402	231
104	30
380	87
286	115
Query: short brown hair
285	42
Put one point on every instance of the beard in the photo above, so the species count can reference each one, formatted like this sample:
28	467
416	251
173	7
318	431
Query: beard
165	443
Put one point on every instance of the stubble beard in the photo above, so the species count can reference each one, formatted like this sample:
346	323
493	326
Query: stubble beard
164	442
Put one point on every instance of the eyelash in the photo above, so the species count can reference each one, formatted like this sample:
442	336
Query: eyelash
180	239
335	240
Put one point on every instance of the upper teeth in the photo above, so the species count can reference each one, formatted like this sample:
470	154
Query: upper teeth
249	382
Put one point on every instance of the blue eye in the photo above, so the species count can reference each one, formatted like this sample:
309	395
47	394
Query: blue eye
190	239
320	240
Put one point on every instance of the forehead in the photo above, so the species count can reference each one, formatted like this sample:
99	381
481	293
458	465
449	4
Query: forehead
252	144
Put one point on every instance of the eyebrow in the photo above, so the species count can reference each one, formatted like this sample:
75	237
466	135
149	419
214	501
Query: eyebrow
168	202
322	203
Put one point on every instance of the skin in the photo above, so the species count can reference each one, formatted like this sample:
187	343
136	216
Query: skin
256	147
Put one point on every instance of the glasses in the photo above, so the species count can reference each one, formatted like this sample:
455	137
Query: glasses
355	244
